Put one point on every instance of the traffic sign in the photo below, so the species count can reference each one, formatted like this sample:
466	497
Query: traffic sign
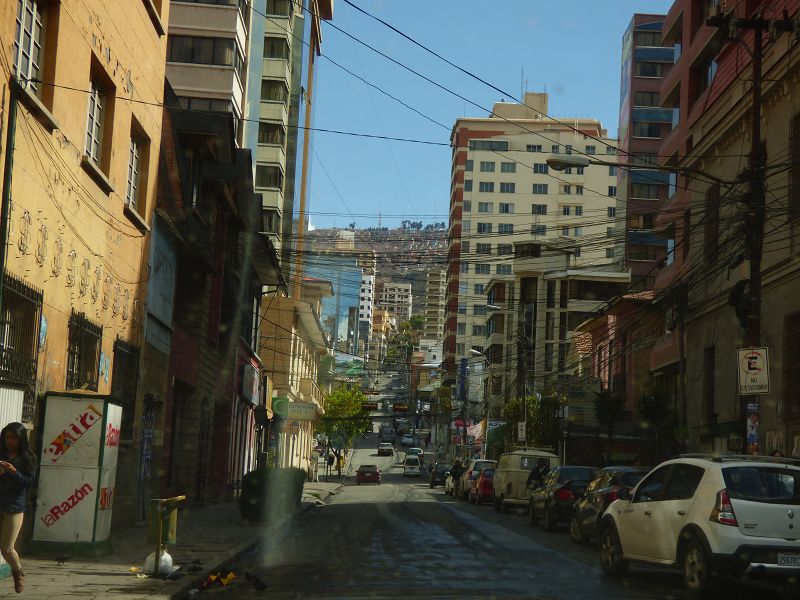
470	440
753	370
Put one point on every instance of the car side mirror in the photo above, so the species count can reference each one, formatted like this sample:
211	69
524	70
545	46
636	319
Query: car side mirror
624	494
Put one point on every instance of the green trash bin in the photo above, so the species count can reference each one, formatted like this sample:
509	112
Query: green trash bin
162	524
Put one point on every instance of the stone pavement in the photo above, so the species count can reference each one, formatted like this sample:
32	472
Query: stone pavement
211	537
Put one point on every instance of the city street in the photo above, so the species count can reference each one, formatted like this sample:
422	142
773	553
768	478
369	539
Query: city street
402	538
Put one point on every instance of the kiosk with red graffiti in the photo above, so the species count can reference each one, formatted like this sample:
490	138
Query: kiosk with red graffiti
80	442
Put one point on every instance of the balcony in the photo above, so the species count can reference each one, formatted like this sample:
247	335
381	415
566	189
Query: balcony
312	393
206	81
216	20
271	153
277	68
273	111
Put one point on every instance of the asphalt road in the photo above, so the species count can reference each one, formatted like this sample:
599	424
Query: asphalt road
402	539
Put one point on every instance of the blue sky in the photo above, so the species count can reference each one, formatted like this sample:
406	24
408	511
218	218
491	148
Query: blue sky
572	47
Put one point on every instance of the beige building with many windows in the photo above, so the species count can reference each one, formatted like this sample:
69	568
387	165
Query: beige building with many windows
435	291
503	193
396	298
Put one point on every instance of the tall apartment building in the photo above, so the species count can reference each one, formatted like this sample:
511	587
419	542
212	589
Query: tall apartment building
643	123
396	298
435	290
503	192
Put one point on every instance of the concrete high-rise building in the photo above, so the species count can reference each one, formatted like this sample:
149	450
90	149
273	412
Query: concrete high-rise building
643	123
503	192
435	290
396	298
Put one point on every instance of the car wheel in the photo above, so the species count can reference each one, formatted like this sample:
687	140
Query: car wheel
696	569
550	522
611	553
575	533
531	514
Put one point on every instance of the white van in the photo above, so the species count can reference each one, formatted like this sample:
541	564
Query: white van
511	475
411	467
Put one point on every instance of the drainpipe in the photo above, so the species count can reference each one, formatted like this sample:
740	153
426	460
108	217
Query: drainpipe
7	173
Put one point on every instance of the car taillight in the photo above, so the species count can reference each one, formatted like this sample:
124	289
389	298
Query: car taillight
564	494
723	510
612	495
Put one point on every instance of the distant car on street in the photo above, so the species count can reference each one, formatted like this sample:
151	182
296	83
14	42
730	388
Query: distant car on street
411	467
551	503
484	487
416	452
438	473
368	474
470	476
385	449
407	440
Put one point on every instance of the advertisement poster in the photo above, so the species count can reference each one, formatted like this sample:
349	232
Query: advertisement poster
65	505
751	438
72	432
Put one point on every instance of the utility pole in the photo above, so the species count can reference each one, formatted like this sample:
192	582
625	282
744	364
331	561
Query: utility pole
755	211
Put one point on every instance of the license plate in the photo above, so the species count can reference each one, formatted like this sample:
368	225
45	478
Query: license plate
788	559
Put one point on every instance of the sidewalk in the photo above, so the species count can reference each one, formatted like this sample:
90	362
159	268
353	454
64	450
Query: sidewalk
212	537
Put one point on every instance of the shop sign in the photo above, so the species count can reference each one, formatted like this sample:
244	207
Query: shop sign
302	411
249	391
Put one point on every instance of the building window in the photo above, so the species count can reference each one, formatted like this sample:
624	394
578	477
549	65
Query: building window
137	156
479	330
461	329
636	252
468	165
568	148
647	130
268	176
612	191
83	352
205	104
274	90
478	289
648	69
540	168
484	228
644	190
612	171
591	149
641	221
204	51
554	149
539	209
505	249
483	248
507	188
791	367
462	308
647	38
579	190
505	228
28	43
478	309
645	99
467	186
271	133
508	167
467	205
483	269
711	227
464	267
565	231
503	269
611	150
567	190
578	210
506	208
612	212
276	47
609	253
486	186
465	247
566	210
548	357
533	147
466	225
539	230
279	8
94	123
539	188
485	207
487	166
611	232
578	231
488	145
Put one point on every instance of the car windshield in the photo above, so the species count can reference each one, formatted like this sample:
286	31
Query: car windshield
442	467
482	464
368	468
575	474
769	484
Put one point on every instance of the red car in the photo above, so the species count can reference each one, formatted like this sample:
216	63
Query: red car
484	487
368	474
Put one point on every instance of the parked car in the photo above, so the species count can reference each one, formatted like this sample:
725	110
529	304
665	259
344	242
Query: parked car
385	449
584	523
407	440
439	473
416	452
368	474
387	434
483	491
469	477
511	476
705	514
552	501
411	467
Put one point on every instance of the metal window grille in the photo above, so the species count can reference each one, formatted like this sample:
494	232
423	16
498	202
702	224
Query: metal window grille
19	339
94	122
28	42
134	157
83	352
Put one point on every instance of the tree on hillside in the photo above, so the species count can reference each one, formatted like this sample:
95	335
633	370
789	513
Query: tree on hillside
609	408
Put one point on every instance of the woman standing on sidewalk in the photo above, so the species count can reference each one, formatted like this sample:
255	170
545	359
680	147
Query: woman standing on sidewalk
17	474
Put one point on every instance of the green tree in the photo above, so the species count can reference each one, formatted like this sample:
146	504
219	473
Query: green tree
325	375
417	322
345	417
609	408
